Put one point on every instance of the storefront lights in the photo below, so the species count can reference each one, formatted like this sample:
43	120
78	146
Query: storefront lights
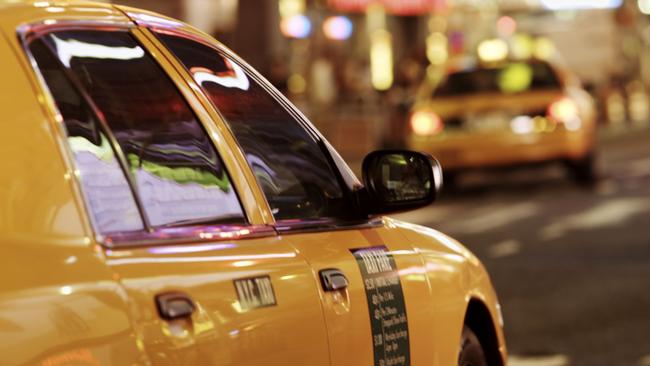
338	28
381	60
297	26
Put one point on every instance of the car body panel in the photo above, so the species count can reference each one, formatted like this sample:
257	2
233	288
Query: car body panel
220	331
513	104
459	151
348	314
456	277
100	302
59	302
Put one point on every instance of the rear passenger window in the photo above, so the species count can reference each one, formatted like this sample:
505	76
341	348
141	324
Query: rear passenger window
172	166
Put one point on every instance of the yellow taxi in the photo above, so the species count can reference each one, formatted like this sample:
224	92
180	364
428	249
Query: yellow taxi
506	114
162	204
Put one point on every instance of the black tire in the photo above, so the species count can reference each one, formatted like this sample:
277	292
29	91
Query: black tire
583	171
471	351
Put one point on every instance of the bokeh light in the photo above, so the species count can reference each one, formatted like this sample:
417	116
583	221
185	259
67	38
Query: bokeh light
297	84
515	78
581	4
289	8
506	26
521	46
437	48
338	28
381	60
644	6
544	48
426	123
492	50
297	26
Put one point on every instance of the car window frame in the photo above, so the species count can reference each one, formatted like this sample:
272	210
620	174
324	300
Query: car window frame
150	236
349	189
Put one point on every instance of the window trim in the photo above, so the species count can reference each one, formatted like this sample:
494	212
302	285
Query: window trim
149	236
282	226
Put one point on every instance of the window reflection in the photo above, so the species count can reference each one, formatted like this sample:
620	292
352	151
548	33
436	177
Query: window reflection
232	78
176	170
290	166
105	186
72	48
111	204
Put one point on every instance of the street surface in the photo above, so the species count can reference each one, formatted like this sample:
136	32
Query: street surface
571	265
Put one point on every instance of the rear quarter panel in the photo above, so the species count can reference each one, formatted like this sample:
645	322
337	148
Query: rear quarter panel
59	303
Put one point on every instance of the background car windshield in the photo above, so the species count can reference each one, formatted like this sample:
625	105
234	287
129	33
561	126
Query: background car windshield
288	161
173	165
509	78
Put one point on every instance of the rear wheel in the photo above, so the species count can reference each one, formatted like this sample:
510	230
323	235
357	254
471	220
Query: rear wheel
471	351
583	170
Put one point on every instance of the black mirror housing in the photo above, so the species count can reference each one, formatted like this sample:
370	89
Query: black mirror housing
400	180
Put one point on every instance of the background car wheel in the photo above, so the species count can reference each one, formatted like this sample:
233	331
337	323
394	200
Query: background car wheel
471	351
583	170
450	181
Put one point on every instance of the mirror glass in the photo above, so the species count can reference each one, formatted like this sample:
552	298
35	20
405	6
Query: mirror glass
401	177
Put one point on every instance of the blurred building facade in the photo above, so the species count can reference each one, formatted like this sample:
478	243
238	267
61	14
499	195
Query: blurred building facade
354	66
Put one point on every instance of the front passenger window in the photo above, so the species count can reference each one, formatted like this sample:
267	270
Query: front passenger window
288	161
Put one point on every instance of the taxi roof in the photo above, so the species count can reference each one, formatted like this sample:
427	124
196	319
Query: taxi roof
43	3
16	13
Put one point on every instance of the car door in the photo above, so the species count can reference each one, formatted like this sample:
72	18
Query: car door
209	282
373	285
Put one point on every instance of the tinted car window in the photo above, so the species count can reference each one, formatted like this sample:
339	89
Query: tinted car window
175	168
106	189
287	160
509	78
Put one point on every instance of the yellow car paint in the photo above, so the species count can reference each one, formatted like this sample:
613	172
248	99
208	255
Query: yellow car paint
458	149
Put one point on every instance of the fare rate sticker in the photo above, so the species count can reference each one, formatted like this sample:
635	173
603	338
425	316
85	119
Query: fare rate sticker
390	336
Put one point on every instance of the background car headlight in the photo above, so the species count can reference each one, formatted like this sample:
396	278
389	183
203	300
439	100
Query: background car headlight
565	111
426	123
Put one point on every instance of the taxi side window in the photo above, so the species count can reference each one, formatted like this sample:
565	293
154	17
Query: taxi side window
288	161
105	187
174	169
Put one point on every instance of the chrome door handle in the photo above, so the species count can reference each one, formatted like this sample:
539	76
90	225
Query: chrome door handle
333	279
174	305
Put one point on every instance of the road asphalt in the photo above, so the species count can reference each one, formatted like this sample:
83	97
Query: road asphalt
571	264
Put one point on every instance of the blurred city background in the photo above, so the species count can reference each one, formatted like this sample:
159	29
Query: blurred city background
570	259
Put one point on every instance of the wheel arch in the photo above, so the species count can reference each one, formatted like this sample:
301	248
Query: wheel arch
479	320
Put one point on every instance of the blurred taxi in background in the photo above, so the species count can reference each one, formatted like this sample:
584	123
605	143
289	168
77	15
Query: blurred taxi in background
506	114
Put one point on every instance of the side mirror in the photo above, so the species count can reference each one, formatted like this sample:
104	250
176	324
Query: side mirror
400	180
